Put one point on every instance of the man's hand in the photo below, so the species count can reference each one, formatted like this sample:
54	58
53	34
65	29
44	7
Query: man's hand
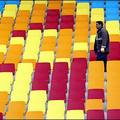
103	49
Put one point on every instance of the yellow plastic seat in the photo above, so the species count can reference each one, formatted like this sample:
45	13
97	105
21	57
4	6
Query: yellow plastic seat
75	114
26	5
3	49
11	7
47	56
29	55
94	104
39	98
32	47
113	27
51	32
97	18
6	80
97	14
21	77
83	9
27	67
63	60
96	11
57	111
35	34
92	40
7	13
41	2
81	46
17	96
17	40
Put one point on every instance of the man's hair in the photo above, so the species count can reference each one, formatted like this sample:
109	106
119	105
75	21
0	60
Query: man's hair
100	22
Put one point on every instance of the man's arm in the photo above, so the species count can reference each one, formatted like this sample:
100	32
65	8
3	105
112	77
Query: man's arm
104	38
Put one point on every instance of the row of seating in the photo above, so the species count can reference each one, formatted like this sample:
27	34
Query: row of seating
19	95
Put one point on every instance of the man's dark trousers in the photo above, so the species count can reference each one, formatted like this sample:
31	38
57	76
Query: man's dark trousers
102	57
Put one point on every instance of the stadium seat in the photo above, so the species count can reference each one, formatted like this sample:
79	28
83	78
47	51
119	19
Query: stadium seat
83	9
113	114
48	33
113	27
17	41
75	114
96	72
39	98
80	46
95	114
13	113
47	56
96	94
1	116
7	68
79	54
6	81
34	115
94	104
57	111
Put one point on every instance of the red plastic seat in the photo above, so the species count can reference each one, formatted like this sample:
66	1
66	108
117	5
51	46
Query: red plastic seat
57	94
79	85
113	114
52	19
42	68
59	76
52	12
41	77
36	26
67	18
39	86
75	105
67	25
92	55
74	95
114	51
60	66
96	94
83	60
95	114
7	68
19	33
1	116
51	25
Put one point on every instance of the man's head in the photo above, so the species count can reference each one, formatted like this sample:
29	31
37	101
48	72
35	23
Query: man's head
99	24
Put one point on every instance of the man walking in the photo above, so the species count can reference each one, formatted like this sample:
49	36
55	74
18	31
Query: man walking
101	45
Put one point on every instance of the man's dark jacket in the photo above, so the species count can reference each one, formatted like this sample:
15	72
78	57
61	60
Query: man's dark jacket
102	39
